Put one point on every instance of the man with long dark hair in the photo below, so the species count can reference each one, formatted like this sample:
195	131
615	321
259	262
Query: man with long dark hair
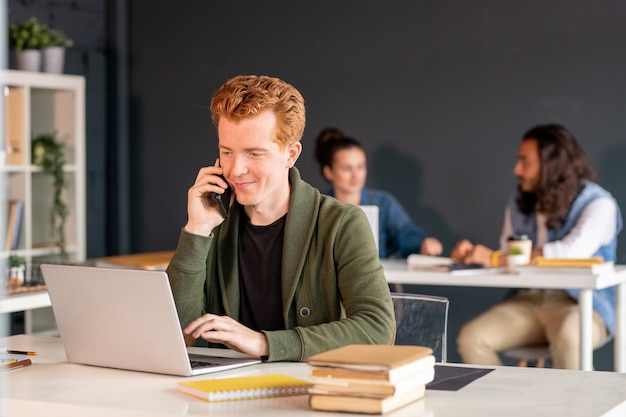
567	215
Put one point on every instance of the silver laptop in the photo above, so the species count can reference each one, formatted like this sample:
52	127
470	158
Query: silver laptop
125	319
372	216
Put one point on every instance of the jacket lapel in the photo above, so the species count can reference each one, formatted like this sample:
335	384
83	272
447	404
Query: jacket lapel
228	262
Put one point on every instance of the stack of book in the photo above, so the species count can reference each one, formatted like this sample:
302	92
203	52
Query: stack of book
371	379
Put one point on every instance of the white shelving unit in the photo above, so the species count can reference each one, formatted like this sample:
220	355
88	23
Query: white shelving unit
35	104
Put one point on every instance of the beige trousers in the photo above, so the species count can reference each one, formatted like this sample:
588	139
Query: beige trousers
529	318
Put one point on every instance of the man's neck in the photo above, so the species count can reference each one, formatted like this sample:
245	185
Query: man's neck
271	209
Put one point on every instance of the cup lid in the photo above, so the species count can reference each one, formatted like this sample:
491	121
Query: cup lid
517	237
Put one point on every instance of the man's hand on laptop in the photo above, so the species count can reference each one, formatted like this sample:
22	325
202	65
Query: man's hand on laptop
225	330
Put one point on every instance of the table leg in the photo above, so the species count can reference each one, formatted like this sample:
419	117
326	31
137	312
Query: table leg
585	303
619	344
28	321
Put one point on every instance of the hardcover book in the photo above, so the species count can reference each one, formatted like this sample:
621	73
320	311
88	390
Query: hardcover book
370	388
376	362
365	405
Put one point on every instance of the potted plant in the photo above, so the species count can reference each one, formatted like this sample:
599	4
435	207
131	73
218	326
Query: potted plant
54	51
48	153
26	40
58	38
30	38
16	271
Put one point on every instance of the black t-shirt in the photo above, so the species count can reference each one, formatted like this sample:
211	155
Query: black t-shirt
260	260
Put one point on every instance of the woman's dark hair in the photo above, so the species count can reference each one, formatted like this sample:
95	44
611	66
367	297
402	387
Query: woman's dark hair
329	142
326	135
564	166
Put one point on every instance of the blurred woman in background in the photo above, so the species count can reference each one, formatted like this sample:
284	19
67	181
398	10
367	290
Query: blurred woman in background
343	163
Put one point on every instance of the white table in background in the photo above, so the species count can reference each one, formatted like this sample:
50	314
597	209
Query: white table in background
398	272
26	302
54	387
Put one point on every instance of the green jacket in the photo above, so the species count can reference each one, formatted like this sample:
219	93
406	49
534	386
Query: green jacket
333	285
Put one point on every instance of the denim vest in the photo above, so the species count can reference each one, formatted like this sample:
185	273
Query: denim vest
603	300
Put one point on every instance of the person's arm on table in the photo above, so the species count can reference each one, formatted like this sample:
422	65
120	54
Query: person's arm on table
431	246
595	227
188	279
461	250
408	237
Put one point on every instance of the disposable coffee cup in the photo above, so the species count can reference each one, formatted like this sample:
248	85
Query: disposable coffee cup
519	252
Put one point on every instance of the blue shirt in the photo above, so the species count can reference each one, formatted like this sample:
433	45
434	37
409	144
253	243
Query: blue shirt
398	235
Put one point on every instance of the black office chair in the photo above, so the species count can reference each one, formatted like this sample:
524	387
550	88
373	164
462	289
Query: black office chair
422	320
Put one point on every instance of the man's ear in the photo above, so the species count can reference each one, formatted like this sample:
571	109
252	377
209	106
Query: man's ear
294	149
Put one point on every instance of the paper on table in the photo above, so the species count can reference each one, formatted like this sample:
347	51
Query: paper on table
443	264
416	261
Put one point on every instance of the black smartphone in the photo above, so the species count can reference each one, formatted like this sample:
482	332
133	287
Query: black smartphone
223	200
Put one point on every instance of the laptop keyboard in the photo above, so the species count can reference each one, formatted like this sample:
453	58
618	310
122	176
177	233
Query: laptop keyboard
202	364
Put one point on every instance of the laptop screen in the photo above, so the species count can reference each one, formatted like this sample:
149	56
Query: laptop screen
372	216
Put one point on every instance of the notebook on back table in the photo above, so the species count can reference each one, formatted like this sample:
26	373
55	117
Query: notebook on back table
124	318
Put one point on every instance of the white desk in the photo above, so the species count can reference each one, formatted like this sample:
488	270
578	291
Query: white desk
398	272
28	302
24	301
54	387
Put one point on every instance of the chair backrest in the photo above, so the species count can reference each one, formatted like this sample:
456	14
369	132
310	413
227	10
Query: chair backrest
422	320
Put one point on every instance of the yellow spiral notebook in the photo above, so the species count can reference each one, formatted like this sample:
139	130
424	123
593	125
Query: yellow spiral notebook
245	387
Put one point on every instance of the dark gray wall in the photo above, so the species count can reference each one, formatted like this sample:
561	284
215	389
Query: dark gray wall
439	92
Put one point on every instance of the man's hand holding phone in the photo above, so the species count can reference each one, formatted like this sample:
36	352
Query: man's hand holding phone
222	200
203	201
